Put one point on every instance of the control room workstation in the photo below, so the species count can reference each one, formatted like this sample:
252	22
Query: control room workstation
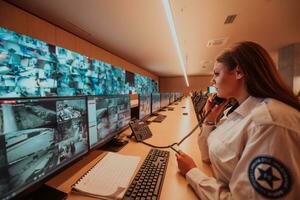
59	140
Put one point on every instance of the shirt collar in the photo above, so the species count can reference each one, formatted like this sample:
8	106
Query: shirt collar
247	106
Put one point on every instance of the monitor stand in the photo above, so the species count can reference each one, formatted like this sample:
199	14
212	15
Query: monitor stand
46	192
155	113
114	145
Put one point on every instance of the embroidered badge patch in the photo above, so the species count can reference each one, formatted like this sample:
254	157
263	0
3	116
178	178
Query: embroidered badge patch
269	177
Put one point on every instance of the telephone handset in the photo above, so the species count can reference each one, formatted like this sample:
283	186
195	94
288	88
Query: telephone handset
140	130
218	100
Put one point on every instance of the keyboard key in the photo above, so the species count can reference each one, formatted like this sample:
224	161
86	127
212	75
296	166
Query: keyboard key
149	179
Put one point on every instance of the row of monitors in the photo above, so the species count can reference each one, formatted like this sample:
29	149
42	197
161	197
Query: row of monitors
39	136
33	68
153	103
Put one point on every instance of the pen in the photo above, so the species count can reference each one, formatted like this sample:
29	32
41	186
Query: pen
174	149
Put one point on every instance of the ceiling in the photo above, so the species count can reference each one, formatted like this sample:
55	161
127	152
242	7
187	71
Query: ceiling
137	30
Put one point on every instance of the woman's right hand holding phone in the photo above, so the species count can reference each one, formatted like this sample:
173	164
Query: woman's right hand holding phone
214	109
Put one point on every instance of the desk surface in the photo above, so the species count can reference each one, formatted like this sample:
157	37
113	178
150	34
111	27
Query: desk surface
171	130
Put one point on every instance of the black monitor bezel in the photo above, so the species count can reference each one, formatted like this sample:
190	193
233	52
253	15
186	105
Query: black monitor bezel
25	191
104	141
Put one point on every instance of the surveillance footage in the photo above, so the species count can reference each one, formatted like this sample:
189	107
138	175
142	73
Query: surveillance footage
30	67
112	115
155	102
38	137
164	99
27	66
145	105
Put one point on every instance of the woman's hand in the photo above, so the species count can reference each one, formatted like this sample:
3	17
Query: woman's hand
185	163
216	110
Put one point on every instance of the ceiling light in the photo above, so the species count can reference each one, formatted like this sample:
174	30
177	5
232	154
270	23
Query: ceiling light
175	38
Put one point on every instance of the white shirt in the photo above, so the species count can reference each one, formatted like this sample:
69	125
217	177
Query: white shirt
255	153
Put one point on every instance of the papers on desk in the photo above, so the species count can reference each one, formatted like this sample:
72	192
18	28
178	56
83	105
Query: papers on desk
109	178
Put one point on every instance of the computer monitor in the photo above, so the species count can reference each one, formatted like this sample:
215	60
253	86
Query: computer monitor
171	96
108	115
164	100
38	137
155	102
211	89
144	105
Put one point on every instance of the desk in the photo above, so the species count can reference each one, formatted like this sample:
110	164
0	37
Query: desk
171	130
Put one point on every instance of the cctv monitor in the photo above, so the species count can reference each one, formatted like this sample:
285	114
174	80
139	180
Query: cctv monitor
211	89
38	137
108	115
171	96
155	102
164	100
144	105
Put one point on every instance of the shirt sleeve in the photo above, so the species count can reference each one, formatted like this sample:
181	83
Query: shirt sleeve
268	149
207	187
202	142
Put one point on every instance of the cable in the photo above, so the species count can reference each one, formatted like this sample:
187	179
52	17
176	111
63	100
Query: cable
188	135
198	125
159	147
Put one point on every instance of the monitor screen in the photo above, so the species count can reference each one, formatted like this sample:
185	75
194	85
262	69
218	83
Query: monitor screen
144	105
38	136
171	97
155	102
164	99
27	66
129	78
212	89
107	116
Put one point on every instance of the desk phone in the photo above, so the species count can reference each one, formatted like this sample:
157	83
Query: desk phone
140	130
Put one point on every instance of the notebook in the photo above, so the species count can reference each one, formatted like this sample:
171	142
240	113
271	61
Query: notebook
109	178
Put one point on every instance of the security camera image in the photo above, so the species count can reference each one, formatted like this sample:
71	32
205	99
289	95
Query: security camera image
112	114
172	97
144	105
164	99
33	68
155	100
80	75
143	84
37	137
71	69
27	66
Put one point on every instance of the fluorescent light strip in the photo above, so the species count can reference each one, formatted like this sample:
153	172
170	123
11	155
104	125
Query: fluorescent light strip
175	39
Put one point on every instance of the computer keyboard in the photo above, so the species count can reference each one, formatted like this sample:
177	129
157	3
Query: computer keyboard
147	183
159	118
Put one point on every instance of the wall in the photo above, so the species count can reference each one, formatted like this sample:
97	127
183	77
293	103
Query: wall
177	84
25	23
289	65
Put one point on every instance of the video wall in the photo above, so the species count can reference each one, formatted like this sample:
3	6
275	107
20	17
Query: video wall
30	67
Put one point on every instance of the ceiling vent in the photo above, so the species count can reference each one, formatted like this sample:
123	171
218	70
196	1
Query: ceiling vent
229	19
217	42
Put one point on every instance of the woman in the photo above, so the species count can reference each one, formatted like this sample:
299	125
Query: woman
254	151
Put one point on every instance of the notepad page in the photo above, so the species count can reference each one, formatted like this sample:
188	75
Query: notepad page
110	177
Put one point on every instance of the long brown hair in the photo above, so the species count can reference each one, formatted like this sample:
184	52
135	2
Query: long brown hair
261	76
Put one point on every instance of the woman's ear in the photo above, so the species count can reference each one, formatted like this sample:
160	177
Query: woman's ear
239	74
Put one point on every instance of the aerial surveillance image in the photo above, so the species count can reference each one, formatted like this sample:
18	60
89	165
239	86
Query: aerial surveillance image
27	66
37	137
112	114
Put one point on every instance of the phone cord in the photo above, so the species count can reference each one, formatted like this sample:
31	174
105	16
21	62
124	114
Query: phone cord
188	135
